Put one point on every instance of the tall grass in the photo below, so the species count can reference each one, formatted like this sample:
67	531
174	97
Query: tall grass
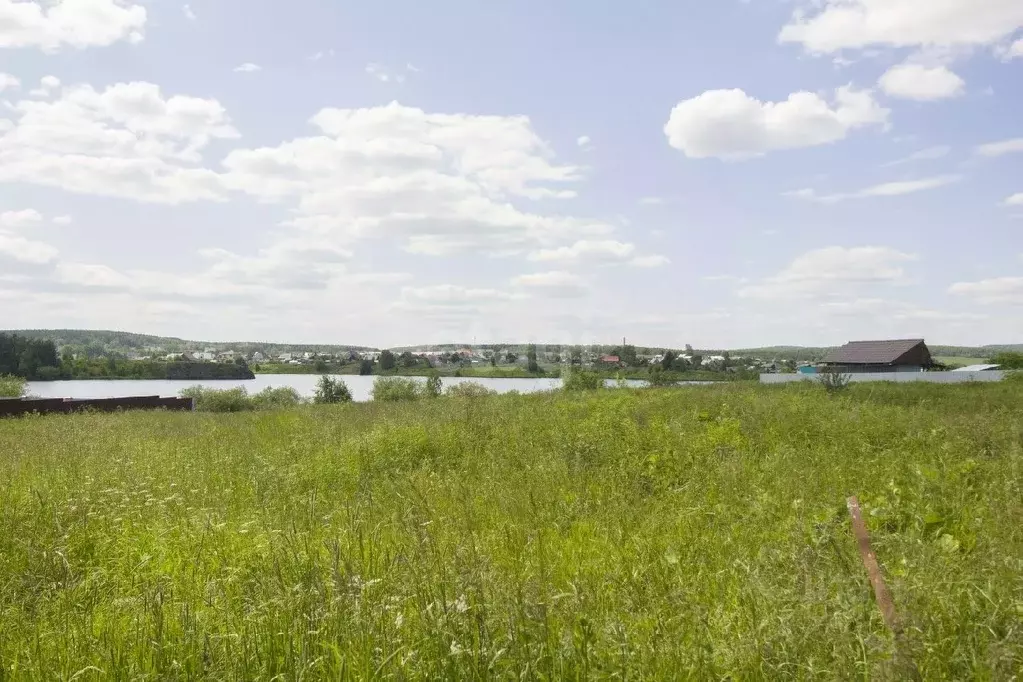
11	387
693	533
238	399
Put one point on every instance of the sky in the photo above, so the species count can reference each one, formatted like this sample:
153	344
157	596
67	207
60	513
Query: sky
725	174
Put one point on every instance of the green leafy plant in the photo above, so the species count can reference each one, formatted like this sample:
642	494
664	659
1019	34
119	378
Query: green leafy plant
833	380
582	380
280	398
331	391
434	386
395	389
468	389
219	400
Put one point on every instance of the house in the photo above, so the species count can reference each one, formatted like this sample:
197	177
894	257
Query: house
610	359
977	368
205	356
258	357
898	355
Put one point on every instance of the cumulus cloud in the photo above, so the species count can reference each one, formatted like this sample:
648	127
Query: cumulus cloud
655	261
553	284
730	124
832	271
128	141
606	250
189	14
1015	200
921	83
62	220
887	189
8	82
1015	50
20	249
993	149
436	183
828	26
23	218
248	67
997	291
56	24
584	142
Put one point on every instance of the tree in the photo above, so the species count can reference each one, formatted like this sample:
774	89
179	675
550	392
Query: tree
511	358
1008	360
387	360
434	386
330	391
532	365
689	350
627	354
668	360
366	367
697	361
408	360
577	355
320	365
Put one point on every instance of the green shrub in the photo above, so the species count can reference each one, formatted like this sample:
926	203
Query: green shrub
582	380
833	381
331	391
11	387
394	389
276	398
219	400
434	386
468	389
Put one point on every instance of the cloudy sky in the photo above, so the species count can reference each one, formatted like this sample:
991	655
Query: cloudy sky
722	173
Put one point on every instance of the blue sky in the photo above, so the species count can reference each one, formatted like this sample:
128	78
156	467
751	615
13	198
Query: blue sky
722	174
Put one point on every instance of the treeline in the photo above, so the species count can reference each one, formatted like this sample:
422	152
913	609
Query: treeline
33	359
37	360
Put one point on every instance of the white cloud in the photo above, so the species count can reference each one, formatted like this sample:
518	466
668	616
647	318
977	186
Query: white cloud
386	75
451	299
584	142
730	124
435	183
1015	50
46	85
921	83
25	250
23	218
248	67
125	141
63	220
1000	148
1015	200
189	14
832	271
929	154
56	24
652	201
8	82
554	284
90	275
649	261
587	250
887	189
317	56
827	26
1000	290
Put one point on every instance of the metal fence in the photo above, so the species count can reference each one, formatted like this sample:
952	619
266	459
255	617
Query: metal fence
900	377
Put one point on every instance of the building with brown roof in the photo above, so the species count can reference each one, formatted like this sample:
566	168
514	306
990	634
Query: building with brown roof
899	355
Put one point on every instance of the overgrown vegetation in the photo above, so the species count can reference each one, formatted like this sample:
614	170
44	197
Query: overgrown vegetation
582	380
689	533
238	399
398	389
833	380
11	387
468	389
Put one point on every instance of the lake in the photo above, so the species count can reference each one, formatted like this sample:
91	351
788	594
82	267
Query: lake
305	384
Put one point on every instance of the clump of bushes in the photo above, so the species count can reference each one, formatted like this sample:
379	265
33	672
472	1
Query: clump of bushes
238	399
582	380
331	391
11	387
468	389
833	381
397	389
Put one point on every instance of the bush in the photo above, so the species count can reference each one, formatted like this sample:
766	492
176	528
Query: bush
219	400
469	389
394	389
434	386
330	391
833	381
11	387
276	398
582	380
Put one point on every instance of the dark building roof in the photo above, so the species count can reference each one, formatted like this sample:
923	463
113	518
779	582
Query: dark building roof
895	352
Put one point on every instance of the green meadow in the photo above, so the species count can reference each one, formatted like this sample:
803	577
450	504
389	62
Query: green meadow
686	533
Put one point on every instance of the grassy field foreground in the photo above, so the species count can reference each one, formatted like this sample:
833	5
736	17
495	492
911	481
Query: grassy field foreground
698	532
